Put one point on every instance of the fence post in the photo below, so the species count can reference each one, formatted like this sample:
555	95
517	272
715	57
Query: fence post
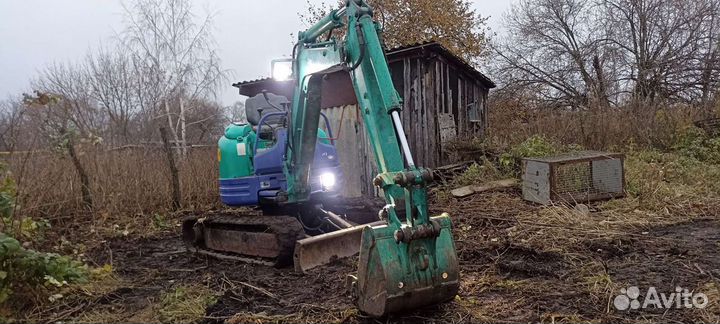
173	169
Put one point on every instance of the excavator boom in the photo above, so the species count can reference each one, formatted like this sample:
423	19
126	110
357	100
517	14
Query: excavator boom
403	264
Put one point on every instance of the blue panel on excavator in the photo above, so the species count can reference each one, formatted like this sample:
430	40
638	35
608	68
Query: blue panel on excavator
245	191
270	160
269	178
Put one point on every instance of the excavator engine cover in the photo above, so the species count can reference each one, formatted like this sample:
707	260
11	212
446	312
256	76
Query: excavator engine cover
395	276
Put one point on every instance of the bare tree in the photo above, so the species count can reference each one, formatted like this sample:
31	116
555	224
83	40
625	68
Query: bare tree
12	114
236	112
660	43
595	53
553	45
175	51
710	64
71	82
61	119
115	85
204	120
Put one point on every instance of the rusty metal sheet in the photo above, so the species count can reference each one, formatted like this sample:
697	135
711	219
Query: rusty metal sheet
337	90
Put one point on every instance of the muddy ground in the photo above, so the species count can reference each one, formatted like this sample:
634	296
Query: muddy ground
513	269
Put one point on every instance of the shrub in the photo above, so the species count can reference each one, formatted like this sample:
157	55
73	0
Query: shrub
476	148
25	269
477	173
669	180
535	146
694	142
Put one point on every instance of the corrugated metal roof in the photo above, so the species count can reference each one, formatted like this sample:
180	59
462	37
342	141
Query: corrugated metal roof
252	87
238	84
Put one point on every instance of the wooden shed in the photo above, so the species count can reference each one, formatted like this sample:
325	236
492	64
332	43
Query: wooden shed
443	98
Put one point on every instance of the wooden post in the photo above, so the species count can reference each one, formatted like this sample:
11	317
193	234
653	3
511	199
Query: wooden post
174	174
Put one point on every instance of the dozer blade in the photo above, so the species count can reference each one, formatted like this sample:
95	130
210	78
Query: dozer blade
325	248
395	276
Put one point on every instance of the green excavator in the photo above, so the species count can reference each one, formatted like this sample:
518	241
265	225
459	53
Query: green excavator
283	163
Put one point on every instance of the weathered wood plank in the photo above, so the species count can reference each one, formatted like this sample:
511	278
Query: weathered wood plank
462	112
427	155
448	128
485	111
447	96
349	145
406	95
418	123
489	186
449	100
480	102
441	98
431	112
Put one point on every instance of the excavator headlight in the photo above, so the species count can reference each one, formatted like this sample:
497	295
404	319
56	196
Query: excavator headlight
327	180
281	69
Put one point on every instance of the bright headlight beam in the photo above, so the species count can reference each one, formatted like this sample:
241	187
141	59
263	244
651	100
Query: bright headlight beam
281	70
327	180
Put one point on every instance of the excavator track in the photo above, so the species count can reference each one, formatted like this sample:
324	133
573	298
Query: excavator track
267	240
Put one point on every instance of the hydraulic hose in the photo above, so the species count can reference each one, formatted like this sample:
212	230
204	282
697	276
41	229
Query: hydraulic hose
361	40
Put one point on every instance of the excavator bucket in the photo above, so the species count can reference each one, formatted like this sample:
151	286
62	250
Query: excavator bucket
395	276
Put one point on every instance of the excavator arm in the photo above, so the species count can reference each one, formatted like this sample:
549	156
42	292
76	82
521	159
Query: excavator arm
410	261
362	56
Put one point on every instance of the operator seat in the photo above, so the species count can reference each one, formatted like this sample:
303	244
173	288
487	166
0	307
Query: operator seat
257	106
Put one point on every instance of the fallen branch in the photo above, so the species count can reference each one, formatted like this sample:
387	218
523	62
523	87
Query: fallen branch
261	290
492	185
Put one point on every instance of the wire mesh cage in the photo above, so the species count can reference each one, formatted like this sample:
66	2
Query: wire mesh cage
574	178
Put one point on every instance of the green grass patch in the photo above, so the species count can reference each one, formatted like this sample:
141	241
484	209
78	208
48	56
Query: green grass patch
185	304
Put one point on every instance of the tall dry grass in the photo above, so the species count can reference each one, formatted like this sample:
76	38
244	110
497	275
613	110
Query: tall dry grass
136	180
127	181
644	124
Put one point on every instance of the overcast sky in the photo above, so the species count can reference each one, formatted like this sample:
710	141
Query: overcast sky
249	33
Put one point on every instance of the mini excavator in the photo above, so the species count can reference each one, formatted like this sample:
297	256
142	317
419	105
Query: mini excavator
283	163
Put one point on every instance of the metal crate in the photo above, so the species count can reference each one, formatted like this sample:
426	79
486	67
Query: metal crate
573	178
